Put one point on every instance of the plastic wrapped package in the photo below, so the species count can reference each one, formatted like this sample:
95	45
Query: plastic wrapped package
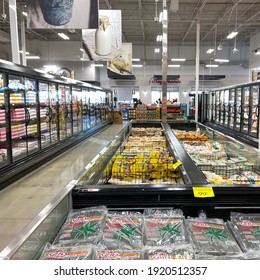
162	230
176	252
211	237
118	255
85	225
72	252
123	231
246	228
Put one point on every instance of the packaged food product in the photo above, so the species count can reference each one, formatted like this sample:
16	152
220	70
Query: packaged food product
118	255
211	237
176	252
123	231
161	230
246	228
76	252
83	225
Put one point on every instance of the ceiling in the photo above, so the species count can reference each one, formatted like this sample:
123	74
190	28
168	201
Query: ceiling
217	18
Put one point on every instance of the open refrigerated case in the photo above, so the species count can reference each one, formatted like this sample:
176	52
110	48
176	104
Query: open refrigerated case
41	115
235	110
141	190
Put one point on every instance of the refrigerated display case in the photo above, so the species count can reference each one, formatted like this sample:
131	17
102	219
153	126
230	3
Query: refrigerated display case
235	110
89	190
38	117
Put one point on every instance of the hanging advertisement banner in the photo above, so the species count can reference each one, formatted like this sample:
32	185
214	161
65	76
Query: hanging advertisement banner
123	65
104	43
62	14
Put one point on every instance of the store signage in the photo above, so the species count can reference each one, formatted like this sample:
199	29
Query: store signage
201	192
171	79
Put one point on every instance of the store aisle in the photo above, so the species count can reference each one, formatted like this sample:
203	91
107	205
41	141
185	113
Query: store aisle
24	199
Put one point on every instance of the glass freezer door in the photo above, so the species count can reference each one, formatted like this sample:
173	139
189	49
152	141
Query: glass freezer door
238	109
45	114
245	110
65	127
31	114
18	117
54	112
254	120
68	109
77	109
85	110
226	108
231	105
4	158
218	105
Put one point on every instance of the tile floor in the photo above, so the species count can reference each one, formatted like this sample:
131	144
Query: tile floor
23	200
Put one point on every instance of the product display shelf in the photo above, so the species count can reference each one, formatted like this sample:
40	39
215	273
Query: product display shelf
227	198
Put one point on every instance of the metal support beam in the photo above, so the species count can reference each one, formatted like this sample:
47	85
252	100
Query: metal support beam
164	60
14	31
197	71
23	42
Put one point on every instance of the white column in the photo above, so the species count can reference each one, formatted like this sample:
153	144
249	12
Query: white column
14	31
164	60
197	71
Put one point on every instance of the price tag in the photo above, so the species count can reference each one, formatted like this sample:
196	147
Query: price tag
203	192
177	164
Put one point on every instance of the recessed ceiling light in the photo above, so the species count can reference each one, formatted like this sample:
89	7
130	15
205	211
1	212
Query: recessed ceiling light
210	50
211	65
174	65
221	60
137	65
135	59
32	57
178	59
64	36
232	35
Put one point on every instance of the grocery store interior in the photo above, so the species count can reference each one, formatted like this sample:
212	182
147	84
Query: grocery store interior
129	129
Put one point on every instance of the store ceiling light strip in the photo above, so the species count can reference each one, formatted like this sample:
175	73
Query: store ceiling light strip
174	65
232	35
211	65
210	50
178	59
137	65
32	57
221	60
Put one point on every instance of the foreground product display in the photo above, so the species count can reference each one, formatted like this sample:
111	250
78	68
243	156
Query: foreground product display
97	233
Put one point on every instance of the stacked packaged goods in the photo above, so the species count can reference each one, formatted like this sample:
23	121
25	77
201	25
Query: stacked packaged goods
212	158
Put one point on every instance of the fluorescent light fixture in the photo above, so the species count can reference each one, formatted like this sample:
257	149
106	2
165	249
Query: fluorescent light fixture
84	59
97	65
159	38
157	50
174	65
178	59
135	59
210	50
160	16
81	50
211	65
25	14
32	57
27	53
232	35
63	36
137	65
221	60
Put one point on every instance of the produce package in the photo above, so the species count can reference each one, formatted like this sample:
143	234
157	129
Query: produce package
118	255
176	252
73	252
83	225
211	237
123	231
